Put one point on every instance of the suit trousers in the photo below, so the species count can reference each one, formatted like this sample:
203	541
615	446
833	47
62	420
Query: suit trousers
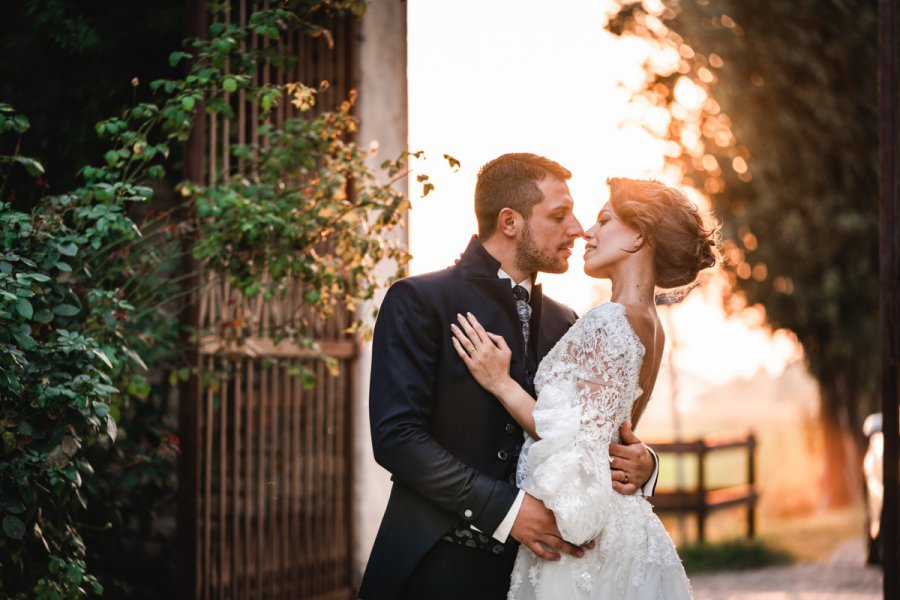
452	571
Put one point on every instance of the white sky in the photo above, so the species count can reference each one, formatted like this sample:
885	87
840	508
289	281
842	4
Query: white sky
493	76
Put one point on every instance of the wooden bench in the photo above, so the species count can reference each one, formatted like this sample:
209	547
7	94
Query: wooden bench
702	500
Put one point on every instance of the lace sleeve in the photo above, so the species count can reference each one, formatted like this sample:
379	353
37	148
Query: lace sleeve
577	414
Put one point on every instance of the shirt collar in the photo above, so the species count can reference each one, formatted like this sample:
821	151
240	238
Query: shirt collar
526	283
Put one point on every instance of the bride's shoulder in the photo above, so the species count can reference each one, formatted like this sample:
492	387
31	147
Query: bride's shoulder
605	312
605	316
644	322
620	318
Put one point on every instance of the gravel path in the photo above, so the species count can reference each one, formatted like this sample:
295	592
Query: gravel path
843	577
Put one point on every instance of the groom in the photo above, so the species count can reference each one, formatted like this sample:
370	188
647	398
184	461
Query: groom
454	515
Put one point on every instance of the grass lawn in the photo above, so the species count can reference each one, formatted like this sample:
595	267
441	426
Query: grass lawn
731	555
814	537
797	539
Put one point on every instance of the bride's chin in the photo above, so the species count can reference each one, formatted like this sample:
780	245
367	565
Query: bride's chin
595	271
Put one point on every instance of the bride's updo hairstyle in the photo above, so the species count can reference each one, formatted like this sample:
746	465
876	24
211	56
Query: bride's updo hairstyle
683	242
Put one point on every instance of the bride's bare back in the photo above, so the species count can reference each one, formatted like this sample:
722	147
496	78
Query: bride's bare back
647	326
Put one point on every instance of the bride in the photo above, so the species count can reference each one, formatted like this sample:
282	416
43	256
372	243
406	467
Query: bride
598	376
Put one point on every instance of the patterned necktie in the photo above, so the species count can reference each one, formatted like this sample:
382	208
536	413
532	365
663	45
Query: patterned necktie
524	311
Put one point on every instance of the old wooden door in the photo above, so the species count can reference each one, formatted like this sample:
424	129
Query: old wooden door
266	477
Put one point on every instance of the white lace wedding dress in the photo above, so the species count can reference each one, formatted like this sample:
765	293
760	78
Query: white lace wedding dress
586	386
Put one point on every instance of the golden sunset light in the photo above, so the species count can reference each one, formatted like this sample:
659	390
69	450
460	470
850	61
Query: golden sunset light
247	351
557	83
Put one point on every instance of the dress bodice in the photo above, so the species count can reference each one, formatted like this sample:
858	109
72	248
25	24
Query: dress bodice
603	353
586	387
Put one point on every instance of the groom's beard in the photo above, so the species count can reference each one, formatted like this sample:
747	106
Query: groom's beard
530	258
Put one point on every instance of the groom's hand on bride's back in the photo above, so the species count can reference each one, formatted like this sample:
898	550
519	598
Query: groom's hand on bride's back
535	526
631	462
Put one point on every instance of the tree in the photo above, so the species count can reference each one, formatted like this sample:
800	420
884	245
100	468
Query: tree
772	113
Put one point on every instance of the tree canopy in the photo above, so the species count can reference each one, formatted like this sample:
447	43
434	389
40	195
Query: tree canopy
773	115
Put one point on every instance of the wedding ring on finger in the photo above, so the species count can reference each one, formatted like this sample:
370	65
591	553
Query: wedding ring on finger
626	476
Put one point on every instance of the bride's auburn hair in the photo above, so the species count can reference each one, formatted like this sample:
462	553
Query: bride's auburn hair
684	240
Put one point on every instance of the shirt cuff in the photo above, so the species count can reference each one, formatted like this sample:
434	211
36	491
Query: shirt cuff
650	487
502	531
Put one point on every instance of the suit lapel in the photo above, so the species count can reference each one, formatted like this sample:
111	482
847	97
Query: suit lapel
537	340
500	294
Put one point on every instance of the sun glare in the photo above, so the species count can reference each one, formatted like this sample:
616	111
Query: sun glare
487	78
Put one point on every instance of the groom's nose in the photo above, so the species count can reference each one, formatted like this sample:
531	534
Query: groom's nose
575	230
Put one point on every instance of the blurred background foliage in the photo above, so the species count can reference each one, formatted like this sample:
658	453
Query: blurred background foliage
69	64
772	114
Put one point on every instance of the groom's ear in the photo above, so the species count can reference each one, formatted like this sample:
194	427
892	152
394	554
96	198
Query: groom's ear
509	222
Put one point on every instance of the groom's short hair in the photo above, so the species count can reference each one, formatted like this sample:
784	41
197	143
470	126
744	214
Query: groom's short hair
510	181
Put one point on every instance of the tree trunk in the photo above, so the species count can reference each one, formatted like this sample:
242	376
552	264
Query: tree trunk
841	482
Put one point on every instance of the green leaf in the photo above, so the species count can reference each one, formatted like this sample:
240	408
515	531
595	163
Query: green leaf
69	249
103	357
143	191
43	316
66	310
64	267
229	84
13	506
9	442
176	58
13	527
19	124
188	102
101	409
74	574
24	340
12	381
139	387
33	167
24	308
136	359
111	429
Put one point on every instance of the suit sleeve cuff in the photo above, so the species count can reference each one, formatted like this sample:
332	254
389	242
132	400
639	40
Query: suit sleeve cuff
502	531
650	486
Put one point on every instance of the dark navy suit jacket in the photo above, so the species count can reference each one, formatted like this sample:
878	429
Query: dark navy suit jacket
450	445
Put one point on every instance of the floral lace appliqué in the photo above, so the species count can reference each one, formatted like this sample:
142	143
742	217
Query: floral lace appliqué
586	387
